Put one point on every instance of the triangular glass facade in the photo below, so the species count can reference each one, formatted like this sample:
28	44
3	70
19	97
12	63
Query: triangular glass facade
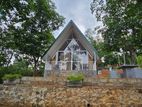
72	57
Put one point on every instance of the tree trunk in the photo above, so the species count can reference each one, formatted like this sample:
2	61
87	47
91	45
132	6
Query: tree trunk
133	56
35	73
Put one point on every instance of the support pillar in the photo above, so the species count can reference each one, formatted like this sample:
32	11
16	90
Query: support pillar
48	67
94	64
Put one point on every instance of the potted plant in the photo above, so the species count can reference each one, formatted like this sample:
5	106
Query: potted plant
75	79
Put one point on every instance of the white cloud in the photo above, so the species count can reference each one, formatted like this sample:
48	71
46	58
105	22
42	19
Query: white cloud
78	11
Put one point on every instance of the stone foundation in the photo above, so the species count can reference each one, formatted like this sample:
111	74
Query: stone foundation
97	93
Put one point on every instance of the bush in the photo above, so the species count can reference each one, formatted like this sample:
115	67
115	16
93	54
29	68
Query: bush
75	77
139	60
11	77
19	67
3	71
15	70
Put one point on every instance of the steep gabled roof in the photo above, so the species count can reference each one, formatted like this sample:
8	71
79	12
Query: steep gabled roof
70	28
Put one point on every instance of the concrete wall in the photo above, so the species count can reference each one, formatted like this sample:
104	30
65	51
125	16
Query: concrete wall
134	73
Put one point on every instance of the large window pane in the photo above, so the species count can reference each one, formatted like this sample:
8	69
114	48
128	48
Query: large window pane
67	56
76	65
60	56
84	57
73	58
62	65
68	63
72	46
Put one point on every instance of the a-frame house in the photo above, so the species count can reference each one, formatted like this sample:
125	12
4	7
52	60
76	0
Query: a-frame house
71	51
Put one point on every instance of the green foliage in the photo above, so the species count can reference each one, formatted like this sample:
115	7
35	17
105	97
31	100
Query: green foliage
36	19
111	59
139	60
41	69
11	77
75	77
20	67
102	51
89	33
2	59
3	71
122	24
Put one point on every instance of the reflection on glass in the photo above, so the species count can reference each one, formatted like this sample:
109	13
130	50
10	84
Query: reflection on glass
60	56
68	64
84	57
73	58
76	65
72	46
62	65
67	56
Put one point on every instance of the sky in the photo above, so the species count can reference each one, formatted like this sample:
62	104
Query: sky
78	11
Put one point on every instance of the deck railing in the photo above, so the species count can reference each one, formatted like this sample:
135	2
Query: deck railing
70	66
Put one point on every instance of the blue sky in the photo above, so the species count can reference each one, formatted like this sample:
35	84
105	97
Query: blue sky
78	11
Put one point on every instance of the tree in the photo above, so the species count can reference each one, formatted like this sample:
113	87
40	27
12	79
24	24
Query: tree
89	33
109	58
122	24
2	59
29	25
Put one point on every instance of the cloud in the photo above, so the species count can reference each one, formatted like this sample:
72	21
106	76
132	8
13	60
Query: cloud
78	11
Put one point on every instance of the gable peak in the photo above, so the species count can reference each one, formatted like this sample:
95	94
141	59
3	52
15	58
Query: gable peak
72	22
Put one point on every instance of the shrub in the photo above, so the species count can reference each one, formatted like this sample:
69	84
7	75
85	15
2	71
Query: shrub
139	60
19	67
3	71
75	77
11	77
